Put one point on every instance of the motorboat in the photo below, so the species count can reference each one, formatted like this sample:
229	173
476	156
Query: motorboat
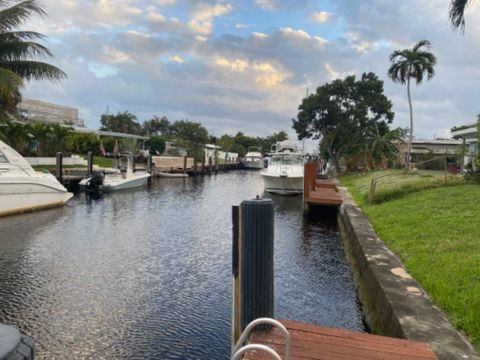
284	174
116	180
24	189
253	159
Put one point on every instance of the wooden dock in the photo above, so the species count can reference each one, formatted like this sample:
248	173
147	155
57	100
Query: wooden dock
320	343
318	191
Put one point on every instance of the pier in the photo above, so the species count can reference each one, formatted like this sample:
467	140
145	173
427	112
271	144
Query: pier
320	192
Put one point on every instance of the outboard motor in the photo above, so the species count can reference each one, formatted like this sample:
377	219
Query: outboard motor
95	181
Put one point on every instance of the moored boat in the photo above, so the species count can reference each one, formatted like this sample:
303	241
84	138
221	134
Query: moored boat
284	174
24	189
253	159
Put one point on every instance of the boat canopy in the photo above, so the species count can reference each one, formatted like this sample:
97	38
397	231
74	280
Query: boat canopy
9	156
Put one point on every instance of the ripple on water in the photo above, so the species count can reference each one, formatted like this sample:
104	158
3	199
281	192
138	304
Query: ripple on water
146	274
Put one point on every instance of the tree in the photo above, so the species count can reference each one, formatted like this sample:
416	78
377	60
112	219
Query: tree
40	132
156	145
342	114
457	13
193	136
60	133
412	63
19	51
157	126
82	143
15	134
123	122
10	84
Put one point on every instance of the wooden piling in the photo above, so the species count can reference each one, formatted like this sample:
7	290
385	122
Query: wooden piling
252	260
210	165
89	163
184	164
59	167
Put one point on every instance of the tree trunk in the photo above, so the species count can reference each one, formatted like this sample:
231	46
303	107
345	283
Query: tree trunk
409	149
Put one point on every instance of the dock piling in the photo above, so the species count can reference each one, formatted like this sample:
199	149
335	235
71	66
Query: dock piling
252	259
89	163
59	167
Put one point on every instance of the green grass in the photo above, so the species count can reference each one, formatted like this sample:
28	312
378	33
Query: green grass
436	232
97	160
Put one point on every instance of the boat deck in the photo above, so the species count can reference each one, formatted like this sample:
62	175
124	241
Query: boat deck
320	343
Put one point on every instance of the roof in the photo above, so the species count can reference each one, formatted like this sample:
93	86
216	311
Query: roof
108	133
467	132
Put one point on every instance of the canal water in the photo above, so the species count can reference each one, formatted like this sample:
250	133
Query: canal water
147	273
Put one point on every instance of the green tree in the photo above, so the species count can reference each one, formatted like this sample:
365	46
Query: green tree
19	51
124	122
10	84
342	114
59	134
193	136
15	134
409	64
82	143
457	13
40	132
157	126
156	145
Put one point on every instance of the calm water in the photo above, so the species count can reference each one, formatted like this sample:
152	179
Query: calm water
147	274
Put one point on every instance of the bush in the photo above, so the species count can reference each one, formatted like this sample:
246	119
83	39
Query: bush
156	145
473	176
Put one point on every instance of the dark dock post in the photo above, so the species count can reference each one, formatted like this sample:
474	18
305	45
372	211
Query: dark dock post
89	163
149	164
184	164
59	167
195	166
210	165
252	263
215	164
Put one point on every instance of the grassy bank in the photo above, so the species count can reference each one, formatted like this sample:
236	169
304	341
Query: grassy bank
435	230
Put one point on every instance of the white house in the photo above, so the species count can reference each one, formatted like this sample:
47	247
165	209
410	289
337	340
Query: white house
469	135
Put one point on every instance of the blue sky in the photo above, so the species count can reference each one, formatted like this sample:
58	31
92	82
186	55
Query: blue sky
245	65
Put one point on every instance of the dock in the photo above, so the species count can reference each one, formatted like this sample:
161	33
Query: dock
321	192
314	342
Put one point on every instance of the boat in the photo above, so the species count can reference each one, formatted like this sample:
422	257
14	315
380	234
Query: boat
171	175
24	189
284	174
253	159
116	180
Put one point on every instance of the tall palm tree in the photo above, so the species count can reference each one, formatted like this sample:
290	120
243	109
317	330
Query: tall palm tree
60	132
414	64
19	52
40	132
9	93
457	13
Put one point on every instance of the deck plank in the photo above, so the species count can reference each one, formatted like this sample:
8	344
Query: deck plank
321	343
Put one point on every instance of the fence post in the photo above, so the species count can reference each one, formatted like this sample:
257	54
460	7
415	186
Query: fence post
371	193
252	260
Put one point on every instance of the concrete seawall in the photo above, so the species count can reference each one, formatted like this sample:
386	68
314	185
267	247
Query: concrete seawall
394	303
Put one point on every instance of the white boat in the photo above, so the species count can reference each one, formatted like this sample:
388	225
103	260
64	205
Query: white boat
118	180
253	159
24	189
171	175
284	174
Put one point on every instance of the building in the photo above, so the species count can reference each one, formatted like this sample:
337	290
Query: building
426	150
32	110
468	134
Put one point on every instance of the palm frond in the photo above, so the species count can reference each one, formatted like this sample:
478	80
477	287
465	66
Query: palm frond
15	15
457	13
37	70
21	50
420	44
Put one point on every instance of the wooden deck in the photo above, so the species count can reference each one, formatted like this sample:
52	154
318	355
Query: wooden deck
319	343
317	191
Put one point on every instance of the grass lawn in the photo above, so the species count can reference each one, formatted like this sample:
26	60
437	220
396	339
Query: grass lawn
435	230
97	160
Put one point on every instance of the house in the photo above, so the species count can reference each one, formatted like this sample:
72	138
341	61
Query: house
429	149
468	134
36	110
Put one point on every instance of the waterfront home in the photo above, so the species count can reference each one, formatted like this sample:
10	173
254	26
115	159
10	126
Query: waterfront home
428	149
468	134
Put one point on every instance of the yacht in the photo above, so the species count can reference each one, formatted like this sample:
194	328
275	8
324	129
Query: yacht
116	180
253	159
284	174
24	189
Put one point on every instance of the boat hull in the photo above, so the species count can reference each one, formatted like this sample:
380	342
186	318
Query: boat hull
283	185
254	165
18	197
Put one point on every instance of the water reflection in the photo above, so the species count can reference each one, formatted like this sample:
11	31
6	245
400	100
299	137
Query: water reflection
146	274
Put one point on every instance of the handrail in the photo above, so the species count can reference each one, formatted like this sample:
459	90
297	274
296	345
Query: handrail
264	320
246	348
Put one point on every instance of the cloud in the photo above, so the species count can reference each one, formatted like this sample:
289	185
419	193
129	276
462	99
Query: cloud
177	59
320	16
267	4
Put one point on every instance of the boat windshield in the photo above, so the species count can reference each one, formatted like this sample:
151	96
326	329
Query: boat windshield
3	159
287	160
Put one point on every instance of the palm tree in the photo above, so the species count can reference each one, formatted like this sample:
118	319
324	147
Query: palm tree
19	52
40	132
457	13
60	132
9	94
412	63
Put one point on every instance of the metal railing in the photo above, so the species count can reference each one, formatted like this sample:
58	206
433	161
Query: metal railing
239	349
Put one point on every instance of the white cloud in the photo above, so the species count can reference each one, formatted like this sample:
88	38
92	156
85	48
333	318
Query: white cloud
177	59
267	4
320	16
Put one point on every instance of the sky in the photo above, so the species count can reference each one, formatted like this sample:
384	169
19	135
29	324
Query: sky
246	65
